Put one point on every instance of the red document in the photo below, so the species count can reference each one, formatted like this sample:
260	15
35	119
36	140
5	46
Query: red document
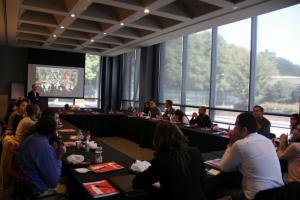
105	167
100	189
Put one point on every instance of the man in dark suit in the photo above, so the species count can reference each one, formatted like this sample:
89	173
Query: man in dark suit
34	95
264	124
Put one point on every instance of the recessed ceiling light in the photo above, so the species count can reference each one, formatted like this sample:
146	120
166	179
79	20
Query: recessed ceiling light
92	40
72	15
104	33
146	10
122	24
54	35
62	27
235	7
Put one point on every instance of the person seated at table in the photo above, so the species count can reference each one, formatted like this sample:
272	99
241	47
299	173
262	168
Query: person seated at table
202	120
21	107
11	117
33	111
295	121
292	155
48	111
254	156
181	117
264	125
155	110
169	110
38	162
146	107
179	168
11	108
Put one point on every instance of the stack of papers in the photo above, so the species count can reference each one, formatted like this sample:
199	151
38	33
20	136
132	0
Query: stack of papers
105	167
100	189
213	172
214	163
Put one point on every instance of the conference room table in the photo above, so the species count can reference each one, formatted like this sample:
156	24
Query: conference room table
77	190
140	130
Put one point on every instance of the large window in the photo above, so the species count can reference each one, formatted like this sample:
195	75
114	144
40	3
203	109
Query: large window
278	61
92	76
171	80
267	47
131	79
233	65
198	68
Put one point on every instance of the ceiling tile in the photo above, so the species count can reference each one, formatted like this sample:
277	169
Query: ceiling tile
132	32
78	34
156	22
57	5
40	17
107	12
61	46
141	3
68	41
35	28
34	37
90	25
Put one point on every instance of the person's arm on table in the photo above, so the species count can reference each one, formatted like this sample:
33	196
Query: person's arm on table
232	157
289	152
146	178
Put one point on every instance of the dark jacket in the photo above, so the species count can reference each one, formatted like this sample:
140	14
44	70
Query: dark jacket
202	122
264	127
34	99
172	180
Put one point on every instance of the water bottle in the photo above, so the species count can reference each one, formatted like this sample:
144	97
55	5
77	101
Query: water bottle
87	144
98	155
79	136
149	115
134	112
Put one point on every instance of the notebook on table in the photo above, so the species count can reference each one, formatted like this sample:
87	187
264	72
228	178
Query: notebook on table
100	189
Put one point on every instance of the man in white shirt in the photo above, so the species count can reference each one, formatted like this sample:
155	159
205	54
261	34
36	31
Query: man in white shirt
33	112
253	155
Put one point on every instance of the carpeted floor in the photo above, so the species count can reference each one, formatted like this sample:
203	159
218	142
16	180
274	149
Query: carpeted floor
129	148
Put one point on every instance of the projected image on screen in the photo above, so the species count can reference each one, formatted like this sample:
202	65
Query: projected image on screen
56	81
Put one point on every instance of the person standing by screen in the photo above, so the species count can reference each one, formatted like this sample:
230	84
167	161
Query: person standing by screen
34	95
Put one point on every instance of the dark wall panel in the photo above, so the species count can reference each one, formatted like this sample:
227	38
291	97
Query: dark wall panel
13	68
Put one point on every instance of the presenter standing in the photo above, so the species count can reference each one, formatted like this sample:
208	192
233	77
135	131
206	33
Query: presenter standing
34	95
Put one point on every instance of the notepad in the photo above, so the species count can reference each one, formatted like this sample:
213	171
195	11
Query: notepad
214	163
100	189
213	172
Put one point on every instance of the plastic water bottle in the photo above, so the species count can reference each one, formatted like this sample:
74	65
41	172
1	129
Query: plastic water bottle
79	136
98	155
87	144
149	115
134	112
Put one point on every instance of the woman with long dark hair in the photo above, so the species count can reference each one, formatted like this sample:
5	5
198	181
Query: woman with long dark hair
179	168
11	108
294	120
146	107
181	117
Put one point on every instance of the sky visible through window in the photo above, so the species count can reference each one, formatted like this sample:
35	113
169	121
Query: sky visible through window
281	26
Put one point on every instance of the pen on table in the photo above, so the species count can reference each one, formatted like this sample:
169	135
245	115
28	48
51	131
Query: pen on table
206	170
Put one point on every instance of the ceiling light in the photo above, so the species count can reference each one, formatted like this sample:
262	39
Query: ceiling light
72	15
62	27
122	24
54	35
104	33
92	40
235	7
146	10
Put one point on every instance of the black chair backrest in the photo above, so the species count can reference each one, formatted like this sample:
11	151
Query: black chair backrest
290	191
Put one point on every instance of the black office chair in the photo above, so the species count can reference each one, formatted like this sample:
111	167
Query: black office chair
24	187
290	191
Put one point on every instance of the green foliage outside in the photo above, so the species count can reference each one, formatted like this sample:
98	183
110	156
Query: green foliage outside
92	67
233	72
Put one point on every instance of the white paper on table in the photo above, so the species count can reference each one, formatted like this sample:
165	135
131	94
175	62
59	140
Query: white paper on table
213	172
